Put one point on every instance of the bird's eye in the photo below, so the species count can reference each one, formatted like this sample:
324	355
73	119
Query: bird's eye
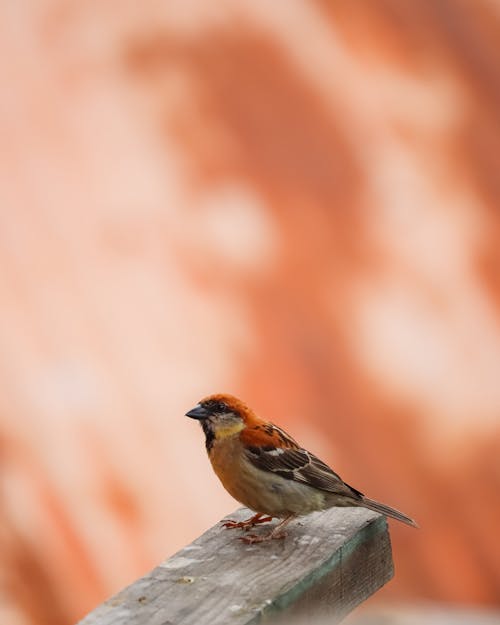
221	407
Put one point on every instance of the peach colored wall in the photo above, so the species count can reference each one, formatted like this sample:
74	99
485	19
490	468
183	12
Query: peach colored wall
293	201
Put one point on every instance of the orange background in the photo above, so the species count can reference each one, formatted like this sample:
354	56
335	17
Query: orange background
296	202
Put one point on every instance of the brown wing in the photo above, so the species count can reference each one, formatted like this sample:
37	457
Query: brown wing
300	465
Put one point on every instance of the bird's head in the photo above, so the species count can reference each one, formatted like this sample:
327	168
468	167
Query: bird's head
221	416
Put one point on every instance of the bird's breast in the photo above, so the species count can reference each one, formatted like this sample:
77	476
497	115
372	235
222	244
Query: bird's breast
259	490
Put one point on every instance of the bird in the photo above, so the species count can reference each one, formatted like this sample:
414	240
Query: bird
266	470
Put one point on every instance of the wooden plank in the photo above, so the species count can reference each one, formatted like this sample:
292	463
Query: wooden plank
330	562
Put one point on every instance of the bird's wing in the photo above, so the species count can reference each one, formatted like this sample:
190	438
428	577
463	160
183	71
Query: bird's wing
294	463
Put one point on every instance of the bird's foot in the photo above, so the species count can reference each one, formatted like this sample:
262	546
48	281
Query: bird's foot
247	524
276	533
251	539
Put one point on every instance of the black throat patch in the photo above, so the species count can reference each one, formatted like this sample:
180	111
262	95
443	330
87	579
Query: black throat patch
209	434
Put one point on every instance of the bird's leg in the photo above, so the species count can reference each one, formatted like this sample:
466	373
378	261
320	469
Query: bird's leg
276	533
248	523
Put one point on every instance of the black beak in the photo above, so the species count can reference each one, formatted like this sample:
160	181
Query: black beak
198	412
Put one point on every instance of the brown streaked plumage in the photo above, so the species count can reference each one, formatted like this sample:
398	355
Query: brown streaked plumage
266	470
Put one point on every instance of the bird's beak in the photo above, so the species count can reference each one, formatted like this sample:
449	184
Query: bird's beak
198	412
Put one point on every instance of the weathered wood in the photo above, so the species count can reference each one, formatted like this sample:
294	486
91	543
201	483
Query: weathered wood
330	562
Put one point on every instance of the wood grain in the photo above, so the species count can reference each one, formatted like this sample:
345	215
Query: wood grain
329	563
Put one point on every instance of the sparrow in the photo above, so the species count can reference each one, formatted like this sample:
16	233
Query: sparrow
266	470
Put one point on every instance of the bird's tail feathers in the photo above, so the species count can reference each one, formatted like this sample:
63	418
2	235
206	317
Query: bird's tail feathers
387	511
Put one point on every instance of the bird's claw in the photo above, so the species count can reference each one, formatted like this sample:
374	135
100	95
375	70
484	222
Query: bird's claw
231	525
251	539
245	525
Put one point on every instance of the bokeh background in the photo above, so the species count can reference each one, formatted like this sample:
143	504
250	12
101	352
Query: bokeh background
293	201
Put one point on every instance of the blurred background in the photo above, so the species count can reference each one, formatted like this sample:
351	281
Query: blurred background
296	202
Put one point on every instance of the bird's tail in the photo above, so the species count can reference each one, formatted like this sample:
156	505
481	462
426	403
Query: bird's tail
387	511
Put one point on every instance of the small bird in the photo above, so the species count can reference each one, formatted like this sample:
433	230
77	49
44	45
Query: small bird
266	470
